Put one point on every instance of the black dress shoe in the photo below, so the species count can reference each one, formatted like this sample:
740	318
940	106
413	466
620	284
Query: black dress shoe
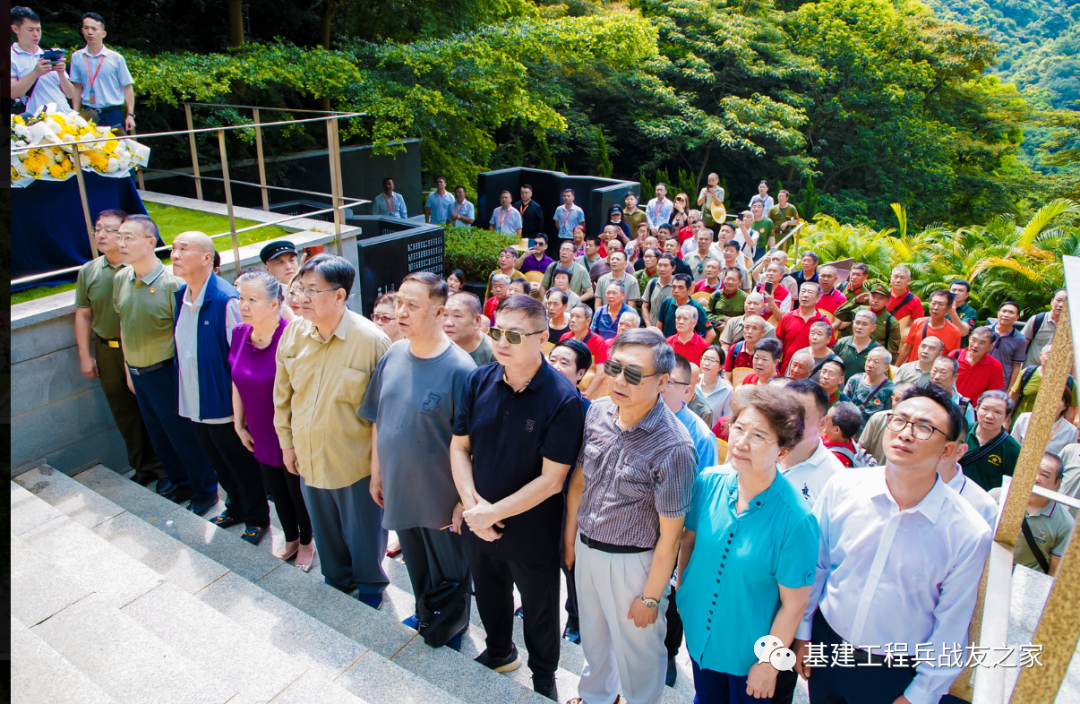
507	663
145	479
544	685
571	632
201	505
180	494
224	521
165	487
672	671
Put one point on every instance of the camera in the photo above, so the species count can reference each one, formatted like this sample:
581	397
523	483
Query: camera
54	56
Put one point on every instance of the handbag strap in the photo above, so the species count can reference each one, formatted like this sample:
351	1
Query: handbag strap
1034	546
983	451
872	393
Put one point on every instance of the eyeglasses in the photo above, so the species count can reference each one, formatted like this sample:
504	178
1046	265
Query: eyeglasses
382	319
310	292
512	336
755	438
921	431
630	372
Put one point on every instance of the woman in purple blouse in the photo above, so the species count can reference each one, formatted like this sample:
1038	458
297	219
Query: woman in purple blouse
253	362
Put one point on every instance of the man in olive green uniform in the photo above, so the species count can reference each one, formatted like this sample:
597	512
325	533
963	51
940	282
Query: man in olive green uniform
143	298
94	313
1051	525
887	332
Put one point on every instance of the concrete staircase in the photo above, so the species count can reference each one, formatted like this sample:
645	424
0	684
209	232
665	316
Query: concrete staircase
99	588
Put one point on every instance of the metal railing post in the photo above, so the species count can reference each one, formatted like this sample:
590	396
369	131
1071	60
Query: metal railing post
262	163
334	151
194	152
85	203
228	199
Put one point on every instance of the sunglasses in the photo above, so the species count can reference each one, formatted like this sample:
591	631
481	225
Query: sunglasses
514	338
631	373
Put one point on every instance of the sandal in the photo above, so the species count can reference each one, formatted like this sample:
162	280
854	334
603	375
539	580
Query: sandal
393	549
288	550
255	534
223	521
305	555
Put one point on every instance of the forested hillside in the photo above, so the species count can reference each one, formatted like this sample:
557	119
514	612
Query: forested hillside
850	104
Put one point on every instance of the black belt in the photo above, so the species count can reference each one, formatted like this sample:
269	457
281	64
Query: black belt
115	344
108	108
606	547
858	655
139	371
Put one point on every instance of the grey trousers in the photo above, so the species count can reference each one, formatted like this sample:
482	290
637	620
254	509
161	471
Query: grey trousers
433	557
349	536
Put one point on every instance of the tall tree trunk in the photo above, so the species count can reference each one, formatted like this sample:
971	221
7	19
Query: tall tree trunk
236	22
327	22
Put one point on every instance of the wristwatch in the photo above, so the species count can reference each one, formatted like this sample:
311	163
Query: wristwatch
649	603
131	114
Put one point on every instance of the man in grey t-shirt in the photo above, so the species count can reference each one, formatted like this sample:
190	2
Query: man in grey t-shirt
462	324
412	402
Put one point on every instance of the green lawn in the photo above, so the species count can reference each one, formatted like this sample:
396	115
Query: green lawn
173	221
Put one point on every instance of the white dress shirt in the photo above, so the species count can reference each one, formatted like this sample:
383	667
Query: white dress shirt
891	576
187	352
976	496
810	476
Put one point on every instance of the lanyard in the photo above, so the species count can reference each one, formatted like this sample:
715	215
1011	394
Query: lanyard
567	212
102	63
458	208
389	203
503	214
524	207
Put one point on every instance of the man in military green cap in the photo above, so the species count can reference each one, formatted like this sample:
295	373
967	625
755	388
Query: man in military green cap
887	332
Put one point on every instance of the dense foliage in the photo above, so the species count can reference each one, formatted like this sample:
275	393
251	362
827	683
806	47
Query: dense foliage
871	101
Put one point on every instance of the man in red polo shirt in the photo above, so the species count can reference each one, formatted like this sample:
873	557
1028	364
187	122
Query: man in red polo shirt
831	298
936	325
979	372
741	355
903	304
794	328
685	341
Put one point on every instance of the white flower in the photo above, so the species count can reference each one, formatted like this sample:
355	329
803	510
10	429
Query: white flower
79	121
114	165
22	131
84	161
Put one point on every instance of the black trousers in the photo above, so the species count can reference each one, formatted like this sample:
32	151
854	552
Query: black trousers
493	587
571	594
674	636
238	472
433	557
284	486
861	684
125	410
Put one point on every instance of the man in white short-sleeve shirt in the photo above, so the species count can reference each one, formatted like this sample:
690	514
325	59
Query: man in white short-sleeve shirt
45	82
101	78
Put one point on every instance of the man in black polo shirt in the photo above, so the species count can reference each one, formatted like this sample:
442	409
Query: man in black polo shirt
518	429
532	215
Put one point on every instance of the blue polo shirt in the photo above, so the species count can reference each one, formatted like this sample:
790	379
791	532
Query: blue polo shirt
567	220
393	207
511	433
109	72
704	440
605	324
730	589
440	207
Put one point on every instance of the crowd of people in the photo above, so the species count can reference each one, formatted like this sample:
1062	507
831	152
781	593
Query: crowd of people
696	436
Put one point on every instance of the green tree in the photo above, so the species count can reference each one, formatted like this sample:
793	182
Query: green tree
601	158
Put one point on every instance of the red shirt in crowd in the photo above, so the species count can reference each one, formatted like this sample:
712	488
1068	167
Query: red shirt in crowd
831	301
489	308
692	350
704	287
913	308
596	344
794	332
683	235
844	459
974	379
738	358
921	329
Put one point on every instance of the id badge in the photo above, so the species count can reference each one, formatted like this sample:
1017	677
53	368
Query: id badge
90	96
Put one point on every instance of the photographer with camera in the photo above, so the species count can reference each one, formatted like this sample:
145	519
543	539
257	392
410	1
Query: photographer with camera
37	76
104	88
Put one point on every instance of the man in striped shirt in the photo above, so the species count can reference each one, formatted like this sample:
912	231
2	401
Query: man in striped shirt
628	497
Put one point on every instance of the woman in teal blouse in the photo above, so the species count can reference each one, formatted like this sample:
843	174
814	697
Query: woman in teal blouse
749	552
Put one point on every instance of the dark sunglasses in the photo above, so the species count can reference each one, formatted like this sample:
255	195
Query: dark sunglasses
514	338
631	373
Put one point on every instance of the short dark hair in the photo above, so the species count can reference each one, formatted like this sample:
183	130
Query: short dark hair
586	310
533	309
21	13
118	214
942	292
471	300
595	239
942	398
569	190
437	287
96	17
563	294
526	185
387	178
1014	304
217	260
838	362
685	278
771	345
440	178
719	353
507	193
846	416
809	387
663	225
963	283
727	224
812	254
146	224
582	353
682	365
458	273
861	267
337	271
561	270
508	250
1059	474
983	330
822	323
732	243
668	258
782	409
540	236
461	187
998	395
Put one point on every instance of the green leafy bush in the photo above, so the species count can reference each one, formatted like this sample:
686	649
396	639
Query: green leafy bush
475	251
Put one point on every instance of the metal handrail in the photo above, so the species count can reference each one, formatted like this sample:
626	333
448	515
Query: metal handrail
200	130
74	269
248	183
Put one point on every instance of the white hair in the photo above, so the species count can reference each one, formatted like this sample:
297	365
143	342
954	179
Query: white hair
687	309
500	279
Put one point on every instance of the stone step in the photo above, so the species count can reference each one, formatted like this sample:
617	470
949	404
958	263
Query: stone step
260	593
40	675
